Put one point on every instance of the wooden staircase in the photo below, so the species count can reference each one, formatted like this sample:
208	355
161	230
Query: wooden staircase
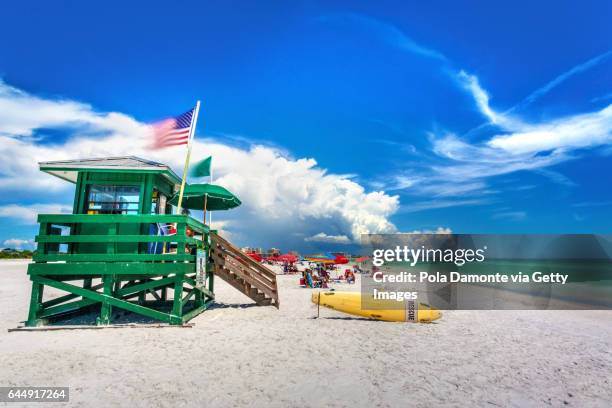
239	270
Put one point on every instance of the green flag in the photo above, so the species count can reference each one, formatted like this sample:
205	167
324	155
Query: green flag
202	169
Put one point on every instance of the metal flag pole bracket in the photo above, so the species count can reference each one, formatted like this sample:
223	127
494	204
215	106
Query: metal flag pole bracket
189	146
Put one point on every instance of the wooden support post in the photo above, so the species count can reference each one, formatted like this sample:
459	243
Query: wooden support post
35	304
164	291
211	276
106	308
177	305
199	299
181	232
210	266
142	295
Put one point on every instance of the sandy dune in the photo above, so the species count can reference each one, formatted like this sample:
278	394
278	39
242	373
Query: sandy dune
242	355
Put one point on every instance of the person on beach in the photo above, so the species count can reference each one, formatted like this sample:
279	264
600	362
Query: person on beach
349	276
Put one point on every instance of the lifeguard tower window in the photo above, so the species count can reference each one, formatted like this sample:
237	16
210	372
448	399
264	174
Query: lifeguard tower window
111	199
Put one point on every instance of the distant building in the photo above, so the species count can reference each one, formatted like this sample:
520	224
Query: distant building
251	250
273	252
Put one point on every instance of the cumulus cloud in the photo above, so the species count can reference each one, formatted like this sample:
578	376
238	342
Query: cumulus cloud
330	239
22	113
17	243
280	194
27	214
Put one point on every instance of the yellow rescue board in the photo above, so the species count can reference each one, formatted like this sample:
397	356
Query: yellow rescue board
388	310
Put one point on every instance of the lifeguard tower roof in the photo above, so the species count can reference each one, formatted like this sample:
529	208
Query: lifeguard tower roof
69	169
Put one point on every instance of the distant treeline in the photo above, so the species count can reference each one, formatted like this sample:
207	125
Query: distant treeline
15	254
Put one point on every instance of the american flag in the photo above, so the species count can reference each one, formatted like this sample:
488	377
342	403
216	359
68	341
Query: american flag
172	131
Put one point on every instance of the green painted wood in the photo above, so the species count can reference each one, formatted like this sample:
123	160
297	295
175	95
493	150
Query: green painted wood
193	313
106	309
177	303
101	268
112	257
188	296
65	239
77	193
147	194
137	294
67	307
122	219
82	192
66	298
205	291
181	229
211	278
122	304
43	230
35	304
144	286
115	248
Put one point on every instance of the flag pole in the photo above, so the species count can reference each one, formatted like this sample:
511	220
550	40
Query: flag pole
210	212
189	144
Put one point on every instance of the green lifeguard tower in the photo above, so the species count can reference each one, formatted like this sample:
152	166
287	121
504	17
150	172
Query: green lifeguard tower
123	248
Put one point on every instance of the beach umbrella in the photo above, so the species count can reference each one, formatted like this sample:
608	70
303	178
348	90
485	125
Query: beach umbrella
287	258
321	258
340	259
362	259
207	197
255	256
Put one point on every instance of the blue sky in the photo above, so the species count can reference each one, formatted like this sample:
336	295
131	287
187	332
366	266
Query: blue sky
477	117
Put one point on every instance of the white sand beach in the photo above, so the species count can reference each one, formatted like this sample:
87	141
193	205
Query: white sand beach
238	354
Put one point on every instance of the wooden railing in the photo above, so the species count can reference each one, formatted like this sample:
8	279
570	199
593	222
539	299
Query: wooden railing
253	277
112	238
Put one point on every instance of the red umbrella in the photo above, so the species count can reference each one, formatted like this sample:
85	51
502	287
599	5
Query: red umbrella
287	258
255	256
340	259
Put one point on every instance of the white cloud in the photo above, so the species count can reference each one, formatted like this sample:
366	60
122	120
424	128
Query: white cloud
27	214
481	97
573	132
520	146
439	230
328	239
562	78
388	33
280	194
523	138
22	113
17	243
